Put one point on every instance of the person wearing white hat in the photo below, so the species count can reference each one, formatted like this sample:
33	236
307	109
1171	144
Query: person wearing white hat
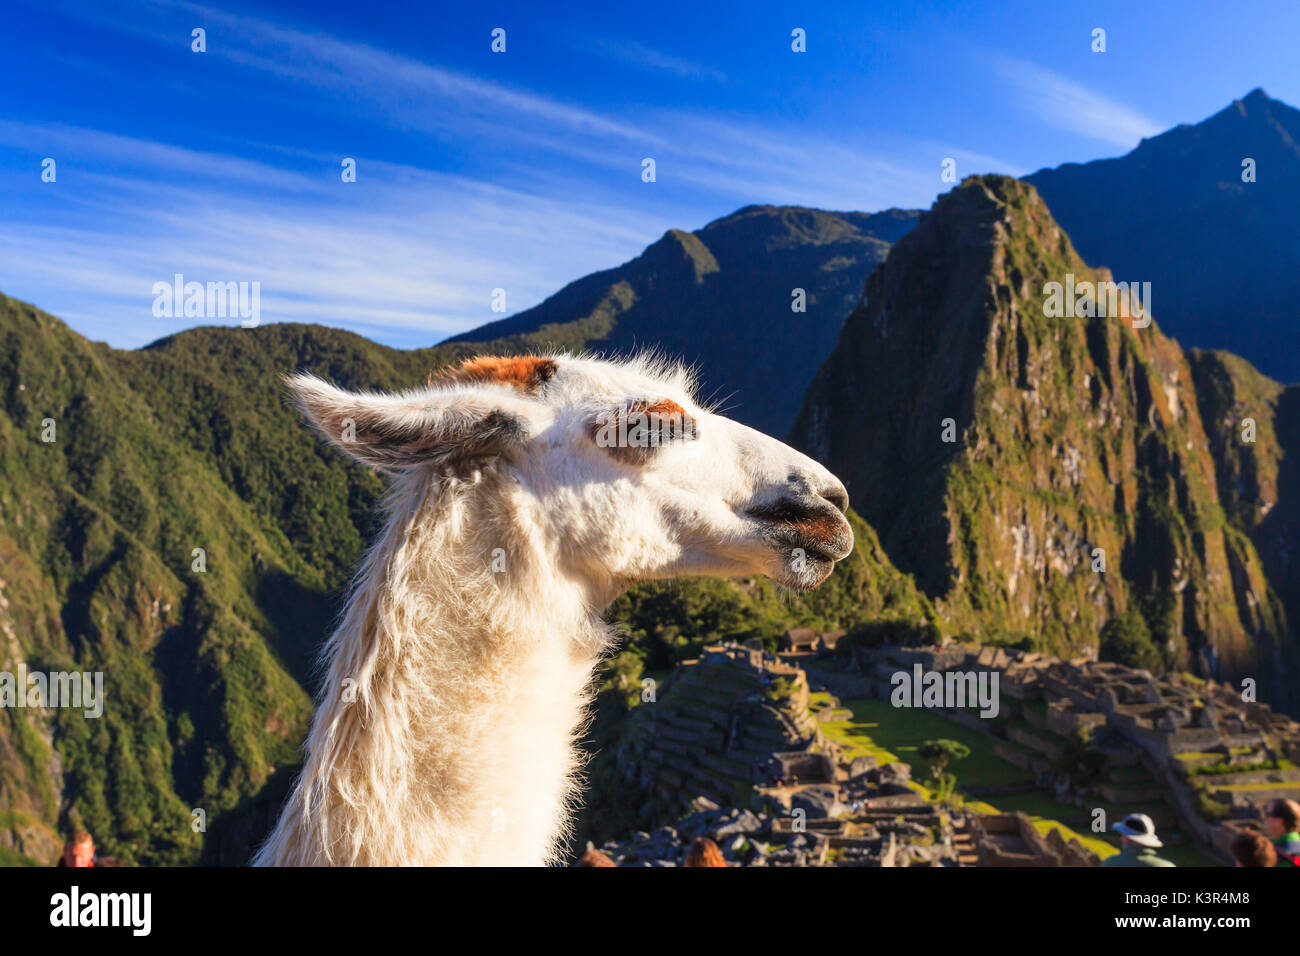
1138	842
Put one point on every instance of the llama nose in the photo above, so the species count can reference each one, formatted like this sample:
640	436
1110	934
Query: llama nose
837	495
828	488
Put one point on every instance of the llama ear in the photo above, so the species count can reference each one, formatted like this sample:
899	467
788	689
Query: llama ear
414	428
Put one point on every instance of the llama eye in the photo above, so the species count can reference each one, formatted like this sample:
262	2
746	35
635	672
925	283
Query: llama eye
634	431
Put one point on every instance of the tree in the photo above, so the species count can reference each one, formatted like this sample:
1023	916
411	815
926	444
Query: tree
1127	640
937	753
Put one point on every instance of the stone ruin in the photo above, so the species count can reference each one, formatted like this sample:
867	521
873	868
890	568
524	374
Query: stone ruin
733	742
1170	744
734	746
1010	839
715	730
804	640
915	836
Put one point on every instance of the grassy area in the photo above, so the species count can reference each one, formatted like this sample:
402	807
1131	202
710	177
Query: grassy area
1009	804
878	729
1042	733
1247	787
10	857
1046	812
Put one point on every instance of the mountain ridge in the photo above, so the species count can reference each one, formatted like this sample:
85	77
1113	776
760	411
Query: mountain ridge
1175	211
1065	436
697	296
185	534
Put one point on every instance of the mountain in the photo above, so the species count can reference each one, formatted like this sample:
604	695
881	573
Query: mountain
721	297
1065	435
1220	253
168	520
1259	481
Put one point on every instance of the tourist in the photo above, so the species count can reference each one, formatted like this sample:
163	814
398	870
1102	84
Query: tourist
1282	820
1254	849
704	852
79	850
1138	843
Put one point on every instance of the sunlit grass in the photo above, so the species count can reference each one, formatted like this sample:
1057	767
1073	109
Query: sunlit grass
878	729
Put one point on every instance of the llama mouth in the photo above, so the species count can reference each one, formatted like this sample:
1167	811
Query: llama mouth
806	571
807	559
812	535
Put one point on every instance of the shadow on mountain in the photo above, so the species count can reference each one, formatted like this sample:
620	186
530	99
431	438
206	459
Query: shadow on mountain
301	617
235	836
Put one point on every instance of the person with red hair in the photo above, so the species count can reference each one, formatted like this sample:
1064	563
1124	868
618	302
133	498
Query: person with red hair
594	857
79	850
704	852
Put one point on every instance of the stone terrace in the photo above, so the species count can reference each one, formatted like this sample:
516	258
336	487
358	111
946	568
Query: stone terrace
1189	734
722	718
733	727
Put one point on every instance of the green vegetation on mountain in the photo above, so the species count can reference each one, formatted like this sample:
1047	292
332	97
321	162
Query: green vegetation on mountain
1042	476
1065	484
1253	427
1127	640
187	535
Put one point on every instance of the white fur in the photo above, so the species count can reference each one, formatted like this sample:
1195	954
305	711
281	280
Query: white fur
453	693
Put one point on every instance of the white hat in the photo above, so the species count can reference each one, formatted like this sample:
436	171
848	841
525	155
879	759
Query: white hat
1139	828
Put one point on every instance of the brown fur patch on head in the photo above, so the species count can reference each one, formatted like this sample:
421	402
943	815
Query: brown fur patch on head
631	432
524	372
664	408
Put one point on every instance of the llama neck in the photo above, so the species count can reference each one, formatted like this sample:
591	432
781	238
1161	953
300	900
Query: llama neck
457	683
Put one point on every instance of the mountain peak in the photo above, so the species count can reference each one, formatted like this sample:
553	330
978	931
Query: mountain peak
998	447
1205	212
676	250
779	278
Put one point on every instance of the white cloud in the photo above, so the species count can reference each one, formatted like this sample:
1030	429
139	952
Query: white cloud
405	252
409	92
1067	105
637	54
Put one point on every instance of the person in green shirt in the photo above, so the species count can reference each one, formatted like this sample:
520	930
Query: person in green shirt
1138	843
1282	819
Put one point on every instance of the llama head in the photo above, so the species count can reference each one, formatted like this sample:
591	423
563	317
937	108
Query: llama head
613	467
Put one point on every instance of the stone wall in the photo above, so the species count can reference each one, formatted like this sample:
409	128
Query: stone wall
1009	839
714	728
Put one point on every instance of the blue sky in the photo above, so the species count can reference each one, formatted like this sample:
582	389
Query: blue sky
522	170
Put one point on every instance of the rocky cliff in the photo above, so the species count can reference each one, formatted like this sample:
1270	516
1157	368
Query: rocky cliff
1042	473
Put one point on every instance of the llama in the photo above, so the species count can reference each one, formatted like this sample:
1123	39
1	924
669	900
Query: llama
526	494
